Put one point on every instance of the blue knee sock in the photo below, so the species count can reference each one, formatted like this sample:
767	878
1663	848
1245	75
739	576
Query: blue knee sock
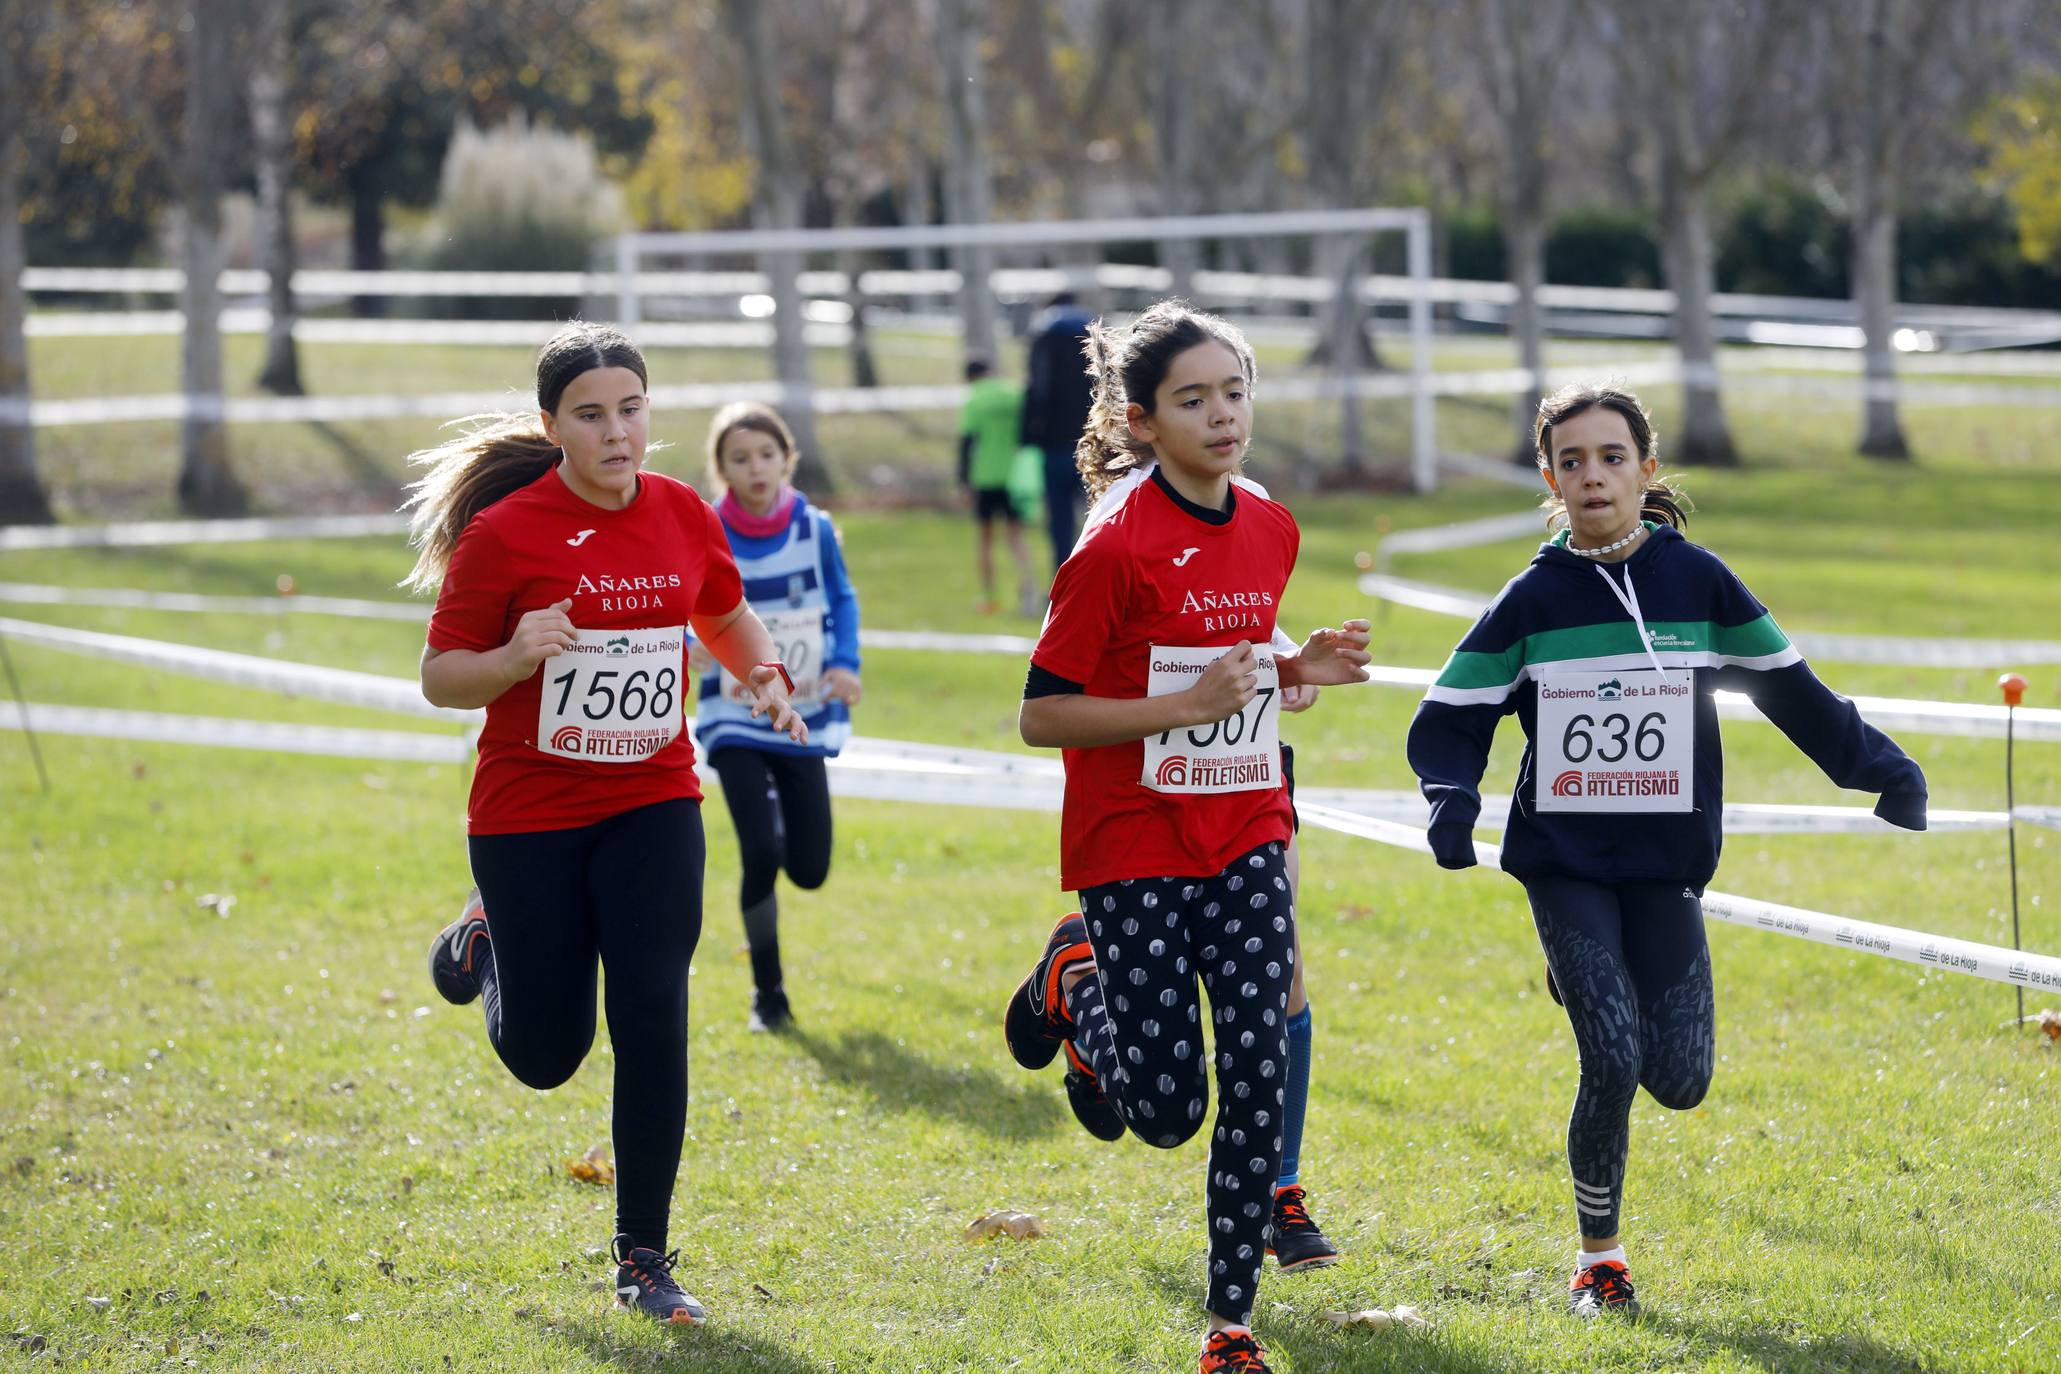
1296	1096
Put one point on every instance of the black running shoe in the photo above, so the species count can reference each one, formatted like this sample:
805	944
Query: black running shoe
644	1282
451	965
1091	1106
1600	1289
1227	1352
1297	1243
1037	1023
769	1011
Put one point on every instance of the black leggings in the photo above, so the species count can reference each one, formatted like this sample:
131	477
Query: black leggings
1633	969
625	891
780	804
1138	1022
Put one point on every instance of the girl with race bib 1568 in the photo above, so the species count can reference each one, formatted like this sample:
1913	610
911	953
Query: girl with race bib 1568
566	580
1608	648
1156	676
777	788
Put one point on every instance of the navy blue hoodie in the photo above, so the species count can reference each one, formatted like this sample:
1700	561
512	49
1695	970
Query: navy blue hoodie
1558	614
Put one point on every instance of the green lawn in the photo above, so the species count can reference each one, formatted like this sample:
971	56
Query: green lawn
268	1145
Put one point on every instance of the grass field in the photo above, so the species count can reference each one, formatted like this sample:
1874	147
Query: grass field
263	1141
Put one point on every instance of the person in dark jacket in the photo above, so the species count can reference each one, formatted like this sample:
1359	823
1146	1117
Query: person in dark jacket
1608	648
1056	398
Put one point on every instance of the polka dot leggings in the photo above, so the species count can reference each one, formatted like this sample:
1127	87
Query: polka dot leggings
1138	1022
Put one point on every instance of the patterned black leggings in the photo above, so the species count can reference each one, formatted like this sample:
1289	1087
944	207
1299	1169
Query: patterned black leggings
1138	1022
1633	968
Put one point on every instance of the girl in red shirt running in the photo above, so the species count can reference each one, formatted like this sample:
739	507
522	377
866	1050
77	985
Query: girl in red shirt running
1156	676
566	577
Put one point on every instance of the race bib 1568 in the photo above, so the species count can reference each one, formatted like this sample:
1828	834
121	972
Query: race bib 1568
614	696
1241	753
1616	741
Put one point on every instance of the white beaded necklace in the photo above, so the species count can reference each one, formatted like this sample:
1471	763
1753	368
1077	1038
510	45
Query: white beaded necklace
1637	530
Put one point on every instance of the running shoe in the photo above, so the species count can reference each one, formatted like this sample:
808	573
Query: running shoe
1037	1023
1297	1243
644	1283
451	956
1234	1352
769	1010
1091	1106
1602	1288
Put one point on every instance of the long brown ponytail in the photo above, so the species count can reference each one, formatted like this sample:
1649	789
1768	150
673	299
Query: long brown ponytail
1128	363
498	454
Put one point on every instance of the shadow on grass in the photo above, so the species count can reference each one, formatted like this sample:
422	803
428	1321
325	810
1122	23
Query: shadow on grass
1015	1107
1776	1350
710	1349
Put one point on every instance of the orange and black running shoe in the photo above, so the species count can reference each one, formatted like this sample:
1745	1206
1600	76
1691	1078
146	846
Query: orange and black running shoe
451	957
1091	1106
644	1283
1036	1022
1602	1288
1234	1352
1297	1243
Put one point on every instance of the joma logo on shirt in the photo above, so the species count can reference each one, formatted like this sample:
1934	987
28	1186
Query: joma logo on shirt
626	593
1227	610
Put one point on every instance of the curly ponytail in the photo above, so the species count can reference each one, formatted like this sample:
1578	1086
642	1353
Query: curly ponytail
1127	364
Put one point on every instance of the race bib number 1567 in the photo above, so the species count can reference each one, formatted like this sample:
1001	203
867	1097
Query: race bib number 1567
1241	753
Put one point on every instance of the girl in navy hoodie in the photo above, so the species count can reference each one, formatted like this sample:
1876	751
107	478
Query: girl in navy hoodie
1608	648
777	790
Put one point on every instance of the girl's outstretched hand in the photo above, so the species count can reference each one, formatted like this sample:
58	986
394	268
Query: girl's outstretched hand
768	687
1333	658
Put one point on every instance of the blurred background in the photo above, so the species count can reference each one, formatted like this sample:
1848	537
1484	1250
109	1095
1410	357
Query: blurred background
252	252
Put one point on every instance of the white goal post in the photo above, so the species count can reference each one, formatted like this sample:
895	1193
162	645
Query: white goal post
1413	223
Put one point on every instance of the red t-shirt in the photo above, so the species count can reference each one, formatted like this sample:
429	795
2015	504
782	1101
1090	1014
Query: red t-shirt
1149	574
656	563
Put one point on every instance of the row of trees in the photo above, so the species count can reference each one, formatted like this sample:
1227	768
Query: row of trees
791	112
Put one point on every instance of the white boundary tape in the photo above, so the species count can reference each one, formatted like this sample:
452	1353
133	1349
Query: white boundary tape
151	533
1892	714
894	771
2037	971
313	681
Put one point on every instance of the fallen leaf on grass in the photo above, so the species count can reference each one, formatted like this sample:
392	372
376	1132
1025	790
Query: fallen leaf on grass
592	1167
763	1291
2050	1022
1375	1318
1013	1224
218	902
100	1304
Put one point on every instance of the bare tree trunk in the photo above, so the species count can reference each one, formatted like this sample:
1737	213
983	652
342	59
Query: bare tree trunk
1524	243
207	484
281	374
1704	438
1347	339
778	205
22	499
865	372
1874	243
968	186
1175	71
368	236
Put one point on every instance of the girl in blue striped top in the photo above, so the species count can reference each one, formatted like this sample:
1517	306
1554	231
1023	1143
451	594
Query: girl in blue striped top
794	577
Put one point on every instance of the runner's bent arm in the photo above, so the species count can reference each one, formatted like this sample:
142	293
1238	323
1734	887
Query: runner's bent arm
466	678
1075	720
